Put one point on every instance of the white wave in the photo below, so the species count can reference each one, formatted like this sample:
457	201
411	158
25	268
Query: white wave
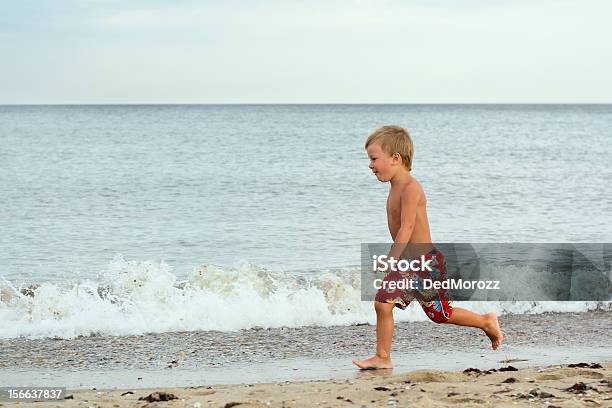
132	298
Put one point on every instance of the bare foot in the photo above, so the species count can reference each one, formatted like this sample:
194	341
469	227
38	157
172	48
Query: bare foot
374	363
493	331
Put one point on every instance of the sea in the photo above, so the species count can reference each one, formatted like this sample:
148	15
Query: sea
122	220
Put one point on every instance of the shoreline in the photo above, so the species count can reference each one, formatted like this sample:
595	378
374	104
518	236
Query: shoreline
300	369
183	359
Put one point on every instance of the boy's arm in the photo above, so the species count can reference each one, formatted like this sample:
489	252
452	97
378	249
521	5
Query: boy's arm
409	201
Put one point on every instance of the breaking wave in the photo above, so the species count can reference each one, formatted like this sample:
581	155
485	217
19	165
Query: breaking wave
132	298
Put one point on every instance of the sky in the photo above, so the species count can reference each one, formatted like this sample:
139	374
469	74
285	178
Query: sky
456	51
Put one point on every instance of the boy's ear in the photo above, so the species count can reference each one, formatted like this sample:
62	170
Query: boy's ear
396	157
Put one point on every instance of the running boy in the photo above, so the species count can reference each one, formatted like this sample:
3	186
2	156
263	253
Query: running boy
390	151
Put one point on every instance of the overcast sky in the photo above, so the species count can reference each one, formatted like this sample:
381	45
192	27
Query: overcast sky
455	51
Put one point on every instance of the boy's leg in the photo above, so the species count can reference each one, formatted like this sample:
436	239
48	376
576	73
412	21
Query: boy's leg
384	328
384	337
440	310
487	322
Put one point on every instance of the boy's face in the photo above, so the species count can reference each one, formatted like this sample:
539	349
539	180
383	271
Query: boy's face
382	164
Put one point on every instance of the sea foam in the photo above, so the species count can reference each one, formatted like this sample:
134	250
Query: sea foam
132	298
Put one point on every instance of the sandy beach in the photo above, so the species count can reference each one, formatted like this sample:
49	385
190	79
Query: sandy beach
577	385
310	366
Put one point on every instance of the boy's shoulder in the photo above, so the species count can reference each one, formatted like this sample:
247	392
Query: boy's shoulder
413	189
413	186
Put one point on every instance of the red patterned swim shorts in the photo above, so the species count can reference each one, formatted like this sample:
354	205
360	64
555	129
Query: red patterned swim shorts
435	302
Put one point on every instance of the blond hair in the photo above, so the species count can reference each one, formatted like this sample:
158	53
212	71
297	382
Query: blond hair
393	139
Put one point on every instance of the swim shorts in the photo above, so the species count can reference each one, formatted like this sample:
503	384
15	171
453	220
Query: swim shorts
435	302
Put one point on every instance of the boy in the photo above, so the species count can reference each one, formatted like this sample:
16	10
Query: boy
390	151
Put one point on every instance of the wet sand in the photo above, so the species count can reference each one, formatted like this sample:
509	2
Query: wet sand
212	348
306	353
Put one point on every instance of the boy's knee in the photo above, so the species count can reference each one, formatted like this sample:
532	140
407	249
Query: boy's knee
383	307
